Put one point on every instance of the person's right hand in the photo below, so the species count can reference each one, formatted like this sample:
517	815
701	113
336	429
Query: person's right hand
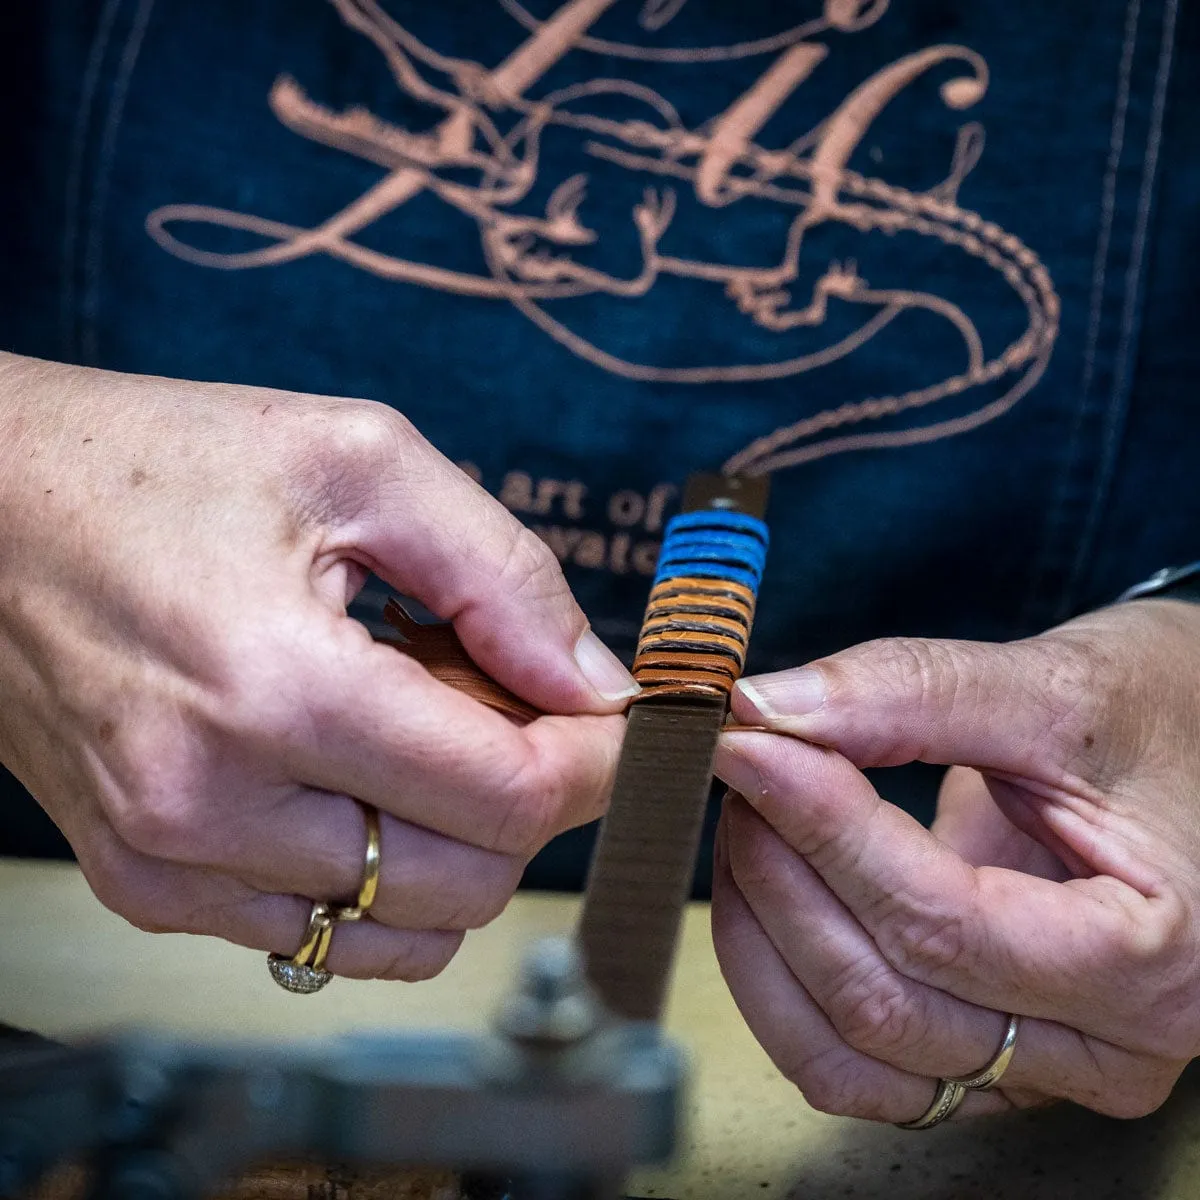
183	691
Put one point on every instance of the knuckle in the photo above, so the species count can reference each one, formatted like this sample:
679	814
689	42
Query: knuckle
145	917
482	911
530	810
830	1084
923	946
114	892
1168	1022
421	956
354	445
259	693
919	666
484	903
1077	674
147	785
405	669
364	430
526	822
121	890
159	821
1173	1028
904	672
1144	947
530	570
1087	691
872	1010
758	867
1130	1100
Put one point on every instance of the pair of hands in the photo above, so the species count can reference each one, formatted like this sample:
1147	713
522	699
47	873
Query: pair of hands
186	696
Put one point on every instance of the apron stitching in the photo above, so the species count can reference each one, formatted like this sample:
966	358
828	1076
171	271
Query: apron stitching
1055	516
108	150
1109	202
83	117
1133	277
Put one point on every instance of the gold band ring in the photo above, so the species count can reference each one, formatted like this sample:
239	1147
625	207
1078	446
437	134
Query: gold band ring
370	875
305	973
990	1075
946	1099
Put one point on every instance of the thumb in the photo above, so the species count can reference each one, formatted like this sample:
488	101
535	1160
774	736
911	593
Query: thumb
429	530
899	700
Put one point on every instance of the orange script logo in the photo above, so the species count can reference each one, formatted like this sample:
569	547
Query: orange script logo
482	156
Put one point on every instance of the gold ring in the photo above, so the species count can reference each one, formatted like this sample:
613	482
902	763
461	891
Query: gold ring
305	973
370	876
946	1099
990	1075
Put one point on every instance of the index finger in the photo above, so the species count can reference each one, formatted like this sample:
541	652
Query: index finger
991	936
420	523
380	728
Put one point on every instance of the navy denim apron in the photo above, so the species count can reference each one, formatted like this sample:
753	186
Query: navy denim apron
925	262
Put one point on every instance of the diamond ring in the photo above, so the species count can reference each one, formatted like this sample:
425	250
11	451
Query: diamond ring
305	973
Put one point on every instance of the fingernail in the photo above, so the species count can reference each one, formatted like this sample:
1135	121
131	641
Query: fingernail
786	694
735	769
603	669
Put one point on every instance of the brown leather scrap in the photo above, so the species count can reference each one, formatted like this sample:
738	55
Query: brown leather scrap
438	650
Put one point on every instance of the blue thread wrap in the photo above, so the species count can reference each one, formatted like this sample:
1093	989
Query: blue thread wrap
714	544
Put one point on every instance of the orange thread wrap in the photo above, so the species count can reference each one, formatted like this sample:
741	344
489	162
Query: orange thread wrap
694	638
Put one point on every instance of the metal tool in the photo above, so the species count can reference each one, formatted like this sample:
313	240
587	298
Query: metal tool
557	1102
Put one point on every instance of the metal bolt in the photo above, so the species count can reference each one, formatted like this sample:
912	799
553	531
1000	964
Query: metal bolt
552	970
554	1005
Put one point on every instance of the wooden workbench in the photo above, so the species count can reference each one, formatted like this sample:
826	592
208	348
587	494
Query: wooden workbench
68	969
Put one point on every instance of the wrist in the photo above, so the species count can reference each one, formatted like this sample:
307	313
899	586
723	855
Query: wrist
42	491
27	420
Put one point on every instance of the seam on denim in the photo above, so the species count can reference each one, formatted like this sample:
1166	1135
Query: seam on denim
1108	202
1108	186
83	117
1133	290
108	149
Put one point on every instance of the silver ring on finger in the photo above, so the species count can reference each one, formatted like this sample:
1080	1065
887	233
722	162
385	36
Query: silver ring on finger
946	1098
991	1074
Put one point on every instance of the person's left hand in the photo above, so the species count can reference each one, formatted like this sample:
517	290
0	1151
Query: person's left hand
1060	881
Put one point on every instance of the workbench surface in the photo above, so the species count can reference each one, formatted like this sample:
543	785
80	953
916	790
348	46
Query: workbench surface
69	968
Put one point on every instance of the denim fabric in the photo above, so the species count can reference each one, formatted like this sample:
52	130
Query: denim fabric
926	262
